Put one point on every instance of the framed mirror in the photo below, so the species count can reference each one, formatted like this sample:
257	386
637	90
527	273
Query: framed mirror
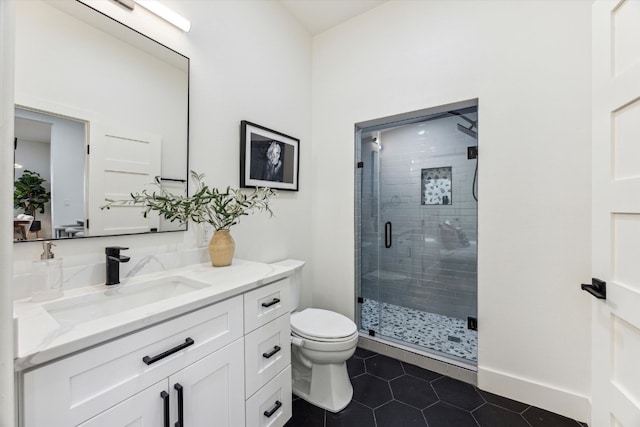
101	111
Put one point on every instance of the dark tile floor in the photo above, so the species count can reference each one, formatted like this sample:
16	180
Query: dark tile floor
390	393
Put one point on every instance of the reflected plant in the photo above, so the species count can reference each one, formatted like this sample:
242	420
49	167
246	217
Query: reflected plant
29	194
221	209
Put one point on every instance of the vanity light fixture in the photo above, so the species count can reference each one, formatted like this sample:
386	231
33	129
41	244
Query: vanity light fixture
165	13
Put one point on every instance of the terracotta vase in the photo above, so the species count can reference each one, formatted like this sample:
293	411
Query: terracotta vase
221	248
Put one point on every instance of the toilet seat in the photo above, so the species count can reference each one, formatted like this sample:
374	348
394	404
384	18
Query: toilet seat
322	325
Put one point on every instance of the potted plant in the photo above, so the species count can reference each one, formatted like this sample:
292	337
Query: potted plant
30	195
221	209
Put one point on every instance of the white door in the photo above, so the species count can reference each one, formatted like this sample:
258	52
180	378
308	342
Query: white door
212	389
120	162
616	213
145	409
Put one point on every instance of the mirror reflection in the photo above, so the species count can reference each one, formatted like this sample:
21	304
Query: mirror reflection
54	206
101	111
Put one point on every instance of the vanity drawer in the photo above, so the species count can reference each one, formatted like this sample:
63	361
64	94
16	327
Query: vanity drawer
271	405
267	352
75	388
265	304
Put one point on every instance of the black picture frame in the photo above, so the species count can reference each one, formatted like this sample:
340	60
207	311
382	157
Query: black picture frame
268	158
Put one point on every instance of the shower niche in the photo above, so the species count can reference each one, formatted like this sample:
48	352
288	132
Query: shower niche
436	186
416	230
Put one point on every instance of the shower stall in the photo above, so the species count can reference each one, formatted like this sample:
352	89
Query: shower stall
416	231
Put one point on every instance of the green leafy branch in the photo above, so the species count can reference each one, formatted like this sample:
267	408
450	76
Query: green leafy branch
221	209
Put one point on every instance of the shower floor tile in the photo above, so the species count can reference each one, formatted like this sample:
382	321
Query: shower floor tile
447	335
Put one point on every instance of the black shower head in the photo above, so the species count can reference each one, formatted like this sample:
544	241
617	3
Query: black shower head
468	131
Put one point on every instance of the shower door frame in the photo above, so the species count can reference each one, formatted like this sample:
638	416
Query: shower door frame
359	130
358	230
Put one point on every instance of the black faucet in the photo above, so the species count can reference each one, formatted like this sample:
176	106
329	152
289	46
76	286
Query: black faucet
113	263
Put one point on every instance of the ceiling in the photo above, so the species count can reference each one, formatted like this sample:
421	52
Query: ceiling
32	130
320	15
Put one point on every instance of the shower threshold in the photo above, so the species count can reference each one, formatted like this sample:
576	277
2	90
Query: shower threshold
432	332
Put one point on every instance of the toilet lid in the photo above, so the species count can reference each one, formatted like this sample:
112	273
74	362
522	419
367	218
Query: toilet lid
315	322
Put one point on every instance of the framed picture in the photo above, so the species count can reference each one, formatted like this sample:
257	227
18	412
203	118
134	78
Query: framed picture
268	158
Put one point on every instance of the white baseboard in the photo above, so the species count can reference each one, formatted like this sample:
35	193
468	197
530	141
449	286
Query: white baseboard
545	396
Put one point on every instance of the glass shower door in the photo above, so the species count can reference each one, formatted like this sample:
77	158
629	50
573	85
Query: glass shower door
418	233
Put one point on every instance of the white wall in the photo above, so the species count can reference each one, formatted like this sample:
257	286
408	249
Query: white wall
67	174
249	61
528	63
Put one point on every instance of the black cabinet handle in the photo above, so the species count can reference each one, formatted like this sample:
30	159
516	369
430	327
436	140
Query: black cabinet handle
165	401
153	359
272	352
179	388
388	234
273	410
270	303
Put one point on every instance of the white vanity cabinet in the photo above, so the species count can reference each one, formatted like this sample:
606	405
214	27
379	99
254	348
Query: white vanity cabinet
268	355
226	364
202	394
120	383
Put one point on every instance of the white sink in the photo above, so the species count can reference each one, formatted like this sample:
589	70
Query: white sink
120	298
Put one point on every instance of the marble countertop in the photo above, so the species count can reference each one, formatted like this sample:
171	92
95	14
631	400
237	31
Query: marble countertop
41	338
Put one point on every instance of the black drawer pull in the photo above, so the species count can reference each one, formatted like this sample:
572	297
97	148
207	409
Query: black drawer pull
273	410
179	389
272	352
165	401
272	302
149	360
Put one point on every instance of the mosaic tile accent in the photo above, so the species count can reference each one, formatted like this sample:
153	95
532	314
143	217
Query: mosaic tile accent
436	183
447	335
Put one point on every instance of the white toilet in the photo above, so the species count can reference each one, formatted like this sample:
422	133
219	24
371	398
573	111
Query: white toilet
321	343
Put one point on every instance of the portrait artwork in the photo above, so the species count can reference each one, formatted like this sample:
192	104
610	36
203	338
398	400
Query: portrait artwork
268	158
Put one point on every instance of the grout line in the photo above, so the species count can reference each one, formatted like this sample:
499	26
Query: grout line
474	419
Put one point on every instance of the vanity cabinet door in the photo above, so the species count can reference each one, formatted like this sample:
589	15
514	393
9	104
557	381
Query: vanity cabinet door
207	393
211	390
146	408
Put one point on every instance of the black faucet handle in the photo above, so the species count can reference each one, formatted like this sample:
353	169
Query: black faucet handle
114	250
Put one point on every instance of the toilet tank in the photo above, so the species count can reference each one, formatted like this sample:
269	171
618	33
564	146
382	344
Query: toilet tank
295	280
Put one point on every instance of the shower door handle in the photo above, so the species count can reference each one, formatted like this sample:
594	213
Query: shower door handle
387	234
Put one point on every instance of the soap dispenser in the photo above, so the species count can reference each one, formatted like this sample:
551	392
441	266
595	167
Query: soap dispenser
47	276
